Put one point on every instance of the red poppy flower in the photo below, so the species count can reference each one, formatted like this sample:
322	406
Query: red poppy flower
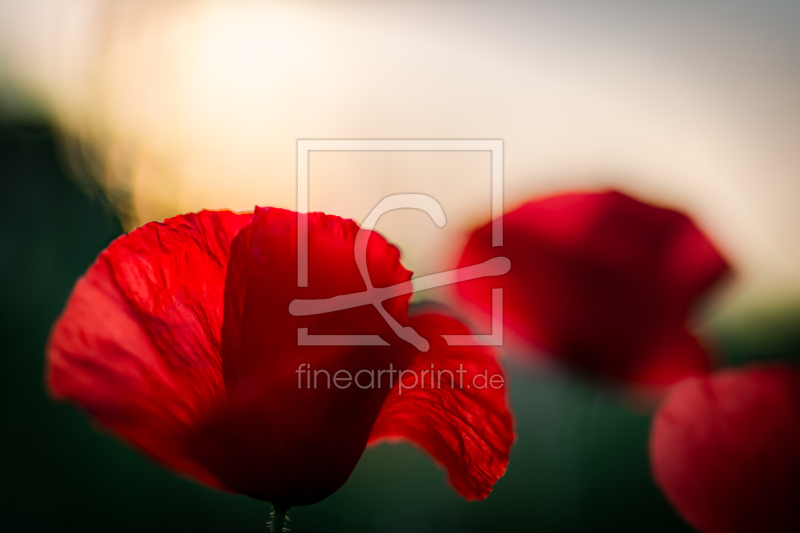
602	282
726	450
179	340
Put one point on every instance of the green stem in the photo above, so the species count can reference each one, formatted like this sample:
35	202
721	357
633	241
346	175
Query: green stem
278	517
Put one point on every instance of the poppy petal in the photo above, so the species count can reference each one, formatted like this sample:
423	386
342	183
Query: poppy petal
726	450
262	283
138	344
282	437
453	406
668	359
599	281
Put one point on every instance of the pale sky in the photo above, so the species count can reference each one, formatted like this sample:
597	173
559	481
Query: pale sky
200	104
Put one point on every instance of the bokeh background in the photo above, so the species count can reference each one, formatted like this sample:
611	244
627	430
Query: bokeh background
115	113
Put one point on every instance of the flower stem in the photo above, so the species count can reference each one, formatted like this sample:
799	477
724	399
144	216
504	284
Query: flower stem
278	517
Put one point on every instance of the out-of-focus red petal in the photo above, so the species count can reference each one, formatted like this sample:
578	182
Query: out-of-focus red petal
669	358
450	408
726	450
138	345
279	438
602	282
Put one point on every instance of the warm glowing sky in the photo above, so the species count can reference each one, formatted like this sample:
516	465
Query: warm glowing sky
201	103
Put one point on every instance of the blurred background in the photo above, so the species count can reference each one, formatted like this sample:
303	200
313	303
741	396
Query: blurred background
116	113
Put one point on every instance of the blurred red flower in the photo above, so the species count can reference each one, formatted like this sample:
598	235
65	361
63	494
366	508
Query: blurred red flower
603	283
179	340
726	450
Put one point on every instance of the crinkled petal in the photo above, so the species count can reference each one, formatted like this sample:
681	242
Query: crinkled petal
453	405
138	344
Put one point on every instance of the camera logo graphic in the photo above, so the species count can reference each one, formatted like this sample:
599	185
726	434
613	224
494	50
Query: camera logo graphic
373	296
